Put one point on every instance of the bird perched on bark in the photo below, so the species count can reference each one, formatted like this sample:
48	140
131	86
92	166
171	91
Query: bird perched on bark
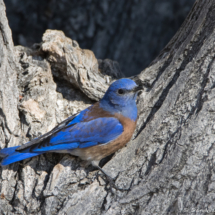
92	134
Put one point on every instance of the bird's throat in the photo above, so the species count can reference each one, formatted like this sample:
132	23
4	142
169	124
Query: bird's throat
128	110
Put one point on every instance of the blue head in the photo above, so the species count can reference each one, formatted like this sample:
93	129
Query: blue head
121	98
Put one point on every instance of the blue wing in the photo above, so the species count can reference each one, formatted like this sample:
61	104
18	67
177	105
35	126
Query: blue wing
45	137
100	130
72	133
83	134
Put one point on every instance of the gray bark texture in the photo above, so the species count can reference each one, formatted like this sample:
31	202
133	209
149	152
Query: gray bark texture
168	166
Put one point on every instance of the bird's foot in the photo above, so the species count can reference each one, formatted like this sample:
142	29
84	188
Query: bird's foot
113	185
111	181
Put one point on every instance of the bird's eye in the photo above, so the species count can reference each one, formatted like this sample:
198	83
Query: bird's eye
121	91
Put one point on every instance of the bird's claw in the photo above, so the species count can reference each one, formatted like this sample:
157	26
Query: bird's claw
113	185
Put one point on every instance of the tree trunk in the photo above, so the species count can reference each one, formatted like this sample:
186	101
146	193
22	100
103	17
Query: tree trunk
168	165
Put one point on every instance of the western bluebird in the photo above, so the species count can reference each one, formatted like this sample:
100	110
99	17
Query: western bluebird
92	134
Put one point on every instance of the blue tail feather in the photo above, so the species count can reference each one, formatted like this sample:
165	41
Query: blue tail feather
10	156
7	151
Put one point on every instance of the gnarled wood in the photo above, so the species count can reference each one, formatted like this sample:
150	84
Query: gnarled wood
169	164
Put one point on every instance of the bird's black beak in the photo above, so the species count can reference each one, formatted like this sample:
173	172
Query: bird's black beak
137	88
142	84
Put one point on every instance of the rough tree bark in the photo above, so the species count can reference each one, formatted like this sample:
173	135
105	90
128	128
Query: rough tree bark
169	164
